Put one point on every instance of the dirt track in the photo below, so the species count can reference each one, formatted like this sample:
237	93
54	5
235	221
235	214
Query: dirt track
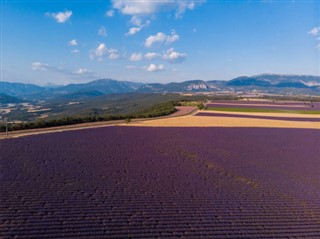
182	111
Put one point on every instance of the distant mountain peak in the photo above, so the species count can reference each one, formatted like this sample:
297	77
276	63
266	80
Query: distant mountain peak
267	82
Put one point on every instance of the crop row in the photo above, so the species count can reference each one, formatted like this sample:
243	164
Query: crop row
304	119
120	182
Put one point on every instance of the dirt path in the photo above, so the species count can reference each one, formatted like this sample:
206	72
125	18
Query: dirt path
182	111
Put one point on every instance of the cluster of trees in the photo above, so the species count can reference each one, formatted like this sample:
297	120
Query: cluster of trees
155	111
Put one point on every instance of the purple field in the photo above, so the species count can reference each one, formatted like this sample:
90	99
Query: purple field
136	182
259	117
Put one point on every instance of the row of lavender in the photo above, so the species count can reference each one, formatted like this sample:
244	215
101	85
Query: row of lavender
300	119
120	182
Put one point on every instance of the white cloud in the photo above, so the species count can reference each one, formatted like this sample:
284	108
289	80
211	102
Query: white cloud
161	38
136	57
174	56
60	17
81	71
136	21
145	8
38	66
114	56
102	51
151	55
314	31
110	13
102	31
155	68
134	30
75	51
61	71
73	42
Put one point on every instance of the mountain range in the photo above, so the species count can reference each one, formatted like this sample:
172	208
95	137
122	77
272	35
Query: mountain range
264	83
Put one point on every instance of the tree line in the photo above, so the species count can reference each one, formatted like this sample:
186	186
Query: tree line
154	111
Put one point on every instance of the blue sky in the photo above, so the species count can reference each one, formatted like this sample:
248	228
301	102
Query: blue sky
63	42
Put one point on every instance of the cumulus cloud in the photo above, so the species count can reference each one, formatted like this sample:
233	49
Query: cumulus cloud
173	56
314	31
102	51
155	68
62	71
136	57
161	38
110	13
133	30
145	8
81	71
38	66
102	31
60	17
151	55
73	42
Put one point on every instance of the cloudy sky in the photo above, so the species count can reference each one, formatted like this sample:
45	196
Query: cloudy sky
63	42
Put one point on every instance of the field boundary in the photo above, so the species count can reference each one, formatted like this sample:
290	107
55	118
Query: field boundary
90	125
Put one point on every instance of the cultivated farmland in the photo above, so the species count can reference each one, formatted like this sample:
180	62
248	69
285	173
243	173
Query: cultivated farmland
144	182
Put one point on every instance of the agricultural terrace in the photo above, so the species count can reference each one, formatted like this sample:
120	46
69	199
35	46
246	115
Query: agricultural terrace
145	182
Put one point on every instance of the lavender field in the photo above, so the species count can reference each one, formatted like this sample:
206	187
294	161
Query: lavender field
139	182
301	119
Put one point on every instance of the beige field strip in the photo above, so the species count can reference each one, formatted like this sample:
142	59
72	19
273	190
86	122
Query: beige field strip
250	105
208	121
291	115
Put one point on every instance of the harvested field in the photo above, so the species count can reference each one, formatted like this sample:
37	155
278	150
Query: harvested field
260	117
139	182
208	121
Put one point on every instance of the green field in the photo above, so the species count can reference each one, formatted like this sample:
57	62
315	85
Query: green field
257	110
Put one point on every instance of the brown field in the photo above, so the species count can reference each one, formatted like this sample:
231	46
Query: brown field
207	121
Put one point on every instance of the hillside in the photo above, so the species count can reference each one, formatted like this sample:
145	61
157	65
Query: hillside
264	83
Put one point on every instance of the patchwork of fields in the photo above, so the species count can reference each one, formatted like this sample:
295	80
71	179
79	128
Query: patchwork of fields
157	182
248	114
